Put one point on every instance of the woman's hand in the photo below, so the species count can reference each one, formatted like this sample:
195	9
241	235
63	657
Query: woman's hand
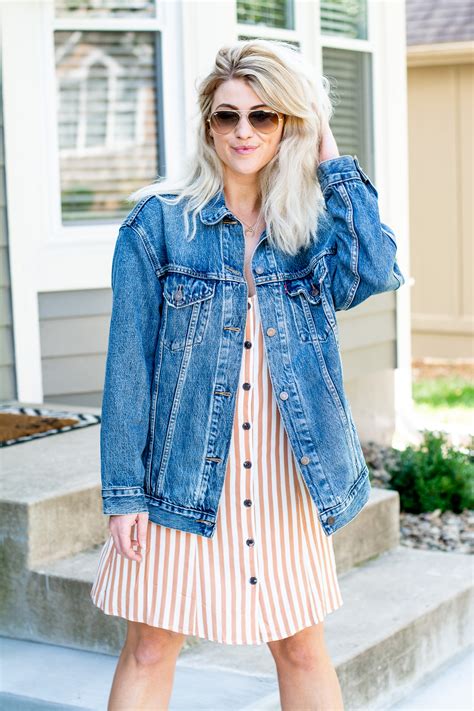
120	527
327	144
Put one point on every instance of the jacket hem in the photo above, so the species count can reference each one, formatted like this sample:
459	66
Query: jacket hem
338	516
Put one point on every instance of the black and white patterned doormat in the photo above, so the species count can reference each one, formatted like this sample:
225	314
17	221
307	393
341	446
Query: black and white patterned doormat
8	425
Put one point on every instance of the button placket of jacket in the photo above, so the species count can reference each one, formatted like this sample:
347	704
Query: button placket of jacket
248	461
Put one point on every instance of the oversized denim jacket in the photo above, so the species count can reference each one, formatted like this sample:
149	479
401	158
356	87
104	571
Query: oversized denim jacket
176	344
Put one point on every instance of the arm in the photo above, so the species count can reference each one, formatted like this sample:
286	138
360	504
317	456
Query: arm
134	325
365	260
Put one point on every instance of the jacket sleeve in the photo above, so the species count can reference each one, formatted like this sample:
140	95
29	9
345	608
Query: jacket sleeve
126	399
363	262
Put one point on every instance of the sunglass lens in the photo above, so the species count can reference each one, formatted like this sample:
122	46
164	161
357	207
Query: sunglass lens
224	120
264	121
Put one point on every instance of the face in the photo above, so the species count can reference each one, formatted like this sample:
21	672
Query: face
237	94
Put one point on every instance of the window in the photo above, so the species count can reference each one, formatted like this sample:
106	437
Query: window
344	18
349	71
271	13
349	74
109	109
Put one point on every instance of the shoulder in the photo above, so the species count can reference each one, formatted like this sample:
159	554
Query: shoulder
147	208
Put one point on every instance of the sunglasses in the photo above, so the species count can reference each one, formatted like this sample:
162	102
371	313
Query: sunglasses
225	120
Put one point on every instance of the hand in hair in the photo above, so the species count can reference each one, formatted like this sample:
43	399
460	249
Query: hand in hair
327	145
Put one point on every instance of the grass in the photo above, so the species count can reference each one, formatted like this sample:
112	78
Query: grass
452	391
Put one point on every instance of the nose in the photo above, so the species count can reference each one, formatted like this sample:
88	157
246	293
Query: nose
244	128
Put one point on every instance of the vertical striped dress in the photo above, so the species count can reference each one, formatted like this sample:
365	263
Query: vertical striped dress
268	571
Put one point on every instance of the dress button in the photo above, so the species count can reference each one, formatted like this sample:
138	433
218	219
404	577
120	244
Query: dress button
246	386
247	502
331	520
250	542
249	305
252	580
248	344
259	270
246	425
271	331
283	395
247	464
304	460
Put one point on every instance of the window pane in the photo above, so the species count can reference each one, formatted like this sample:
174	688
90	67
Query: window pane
344	17
104	8
350	76
107	122
271	13
287	41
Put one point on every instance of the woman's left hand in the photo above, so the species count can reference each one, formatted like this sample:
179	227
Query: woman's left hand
327	146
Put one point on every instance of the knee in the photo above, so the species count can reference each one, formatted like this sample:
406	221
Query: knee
305	651
152	647
299	655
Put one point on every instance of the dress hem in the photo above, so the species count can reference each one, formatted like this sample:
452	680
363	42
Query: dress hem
265	640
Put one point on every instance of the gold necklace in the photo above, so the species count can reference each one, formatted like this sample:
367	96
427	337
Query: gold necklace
250	229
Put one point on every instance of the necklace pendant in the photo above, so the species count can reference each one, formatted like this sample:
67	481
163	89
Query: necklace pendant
249	231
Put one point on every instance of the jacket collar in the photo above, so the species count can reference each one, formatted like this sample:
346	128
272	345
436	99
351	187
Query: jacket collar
215	209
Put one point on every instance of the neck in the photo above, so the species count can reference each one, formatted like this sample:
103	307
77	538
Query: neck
242	196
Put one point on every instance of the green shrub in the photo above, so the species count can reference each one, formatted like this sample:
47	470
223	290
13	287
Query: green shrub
434	476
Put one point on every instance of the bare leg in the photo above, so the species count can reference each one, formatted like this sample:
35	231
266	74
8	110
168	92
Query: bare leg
145	670
307	678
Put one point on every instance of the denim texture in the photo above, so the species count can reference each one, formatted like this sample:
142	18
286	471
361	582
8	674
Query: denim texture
176	344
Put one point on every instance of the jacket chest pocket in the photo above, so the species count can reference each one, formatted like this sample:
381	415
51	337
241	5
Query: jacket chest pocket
309	306
188	303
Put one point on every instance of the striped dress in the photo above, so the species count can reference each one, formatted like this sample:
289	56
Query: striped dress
268	571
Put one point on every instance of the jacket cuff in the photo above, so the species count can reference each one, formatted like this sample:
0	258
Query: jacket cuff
341	168
123	500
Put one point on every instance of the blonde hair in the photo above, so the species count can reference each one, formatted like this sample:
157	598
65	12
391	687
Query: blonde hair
290	193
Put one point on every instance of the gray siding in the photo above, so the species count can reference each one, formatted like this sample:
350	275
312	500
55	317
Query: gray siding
8	390
74	330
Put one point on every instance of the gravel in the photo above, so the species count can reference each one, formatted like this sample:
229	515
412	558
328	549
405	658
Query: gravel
431	530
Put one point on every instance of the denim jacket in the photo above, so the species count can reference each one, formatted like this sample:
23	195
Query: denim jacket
176	343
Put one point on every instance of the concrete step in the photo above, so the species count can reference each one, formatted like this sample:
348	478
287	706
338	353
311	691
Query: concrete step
51	489
50	503
405	614
54	591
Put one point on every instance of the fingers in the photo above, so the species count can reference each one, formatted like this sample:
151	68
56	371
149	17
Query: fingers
120	526
142	527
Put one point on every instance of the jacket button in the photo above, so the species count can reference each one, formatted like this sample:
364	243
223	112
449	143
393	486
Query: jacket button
247	502
246	425
250	542
304	460
246	386
283	395
248	344
252	580
314	290
271	331
259	270
247	464
331	520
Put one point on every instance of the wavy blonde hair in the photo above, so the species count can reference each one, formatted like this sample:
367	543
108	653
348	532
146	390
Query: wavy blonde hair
290	193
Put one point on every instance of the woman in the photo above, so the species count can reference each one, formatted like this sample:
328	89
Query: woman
226	437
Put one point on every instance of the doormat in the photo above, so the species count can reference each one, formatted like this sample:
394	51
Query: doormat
22	424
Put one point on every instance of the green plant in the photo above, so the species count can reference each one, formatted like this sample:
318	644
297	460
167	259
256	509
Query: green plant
434	476
452	391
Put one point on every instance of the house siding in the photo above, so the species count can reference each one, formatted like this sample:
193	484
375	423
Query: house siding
8	389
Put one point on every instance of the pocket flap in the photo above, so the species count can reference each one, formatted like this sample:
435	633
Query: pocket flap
308	286
183	290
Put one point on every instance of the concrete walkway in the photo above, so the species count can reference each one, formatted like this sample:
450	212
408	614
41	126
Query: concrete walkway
43	676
